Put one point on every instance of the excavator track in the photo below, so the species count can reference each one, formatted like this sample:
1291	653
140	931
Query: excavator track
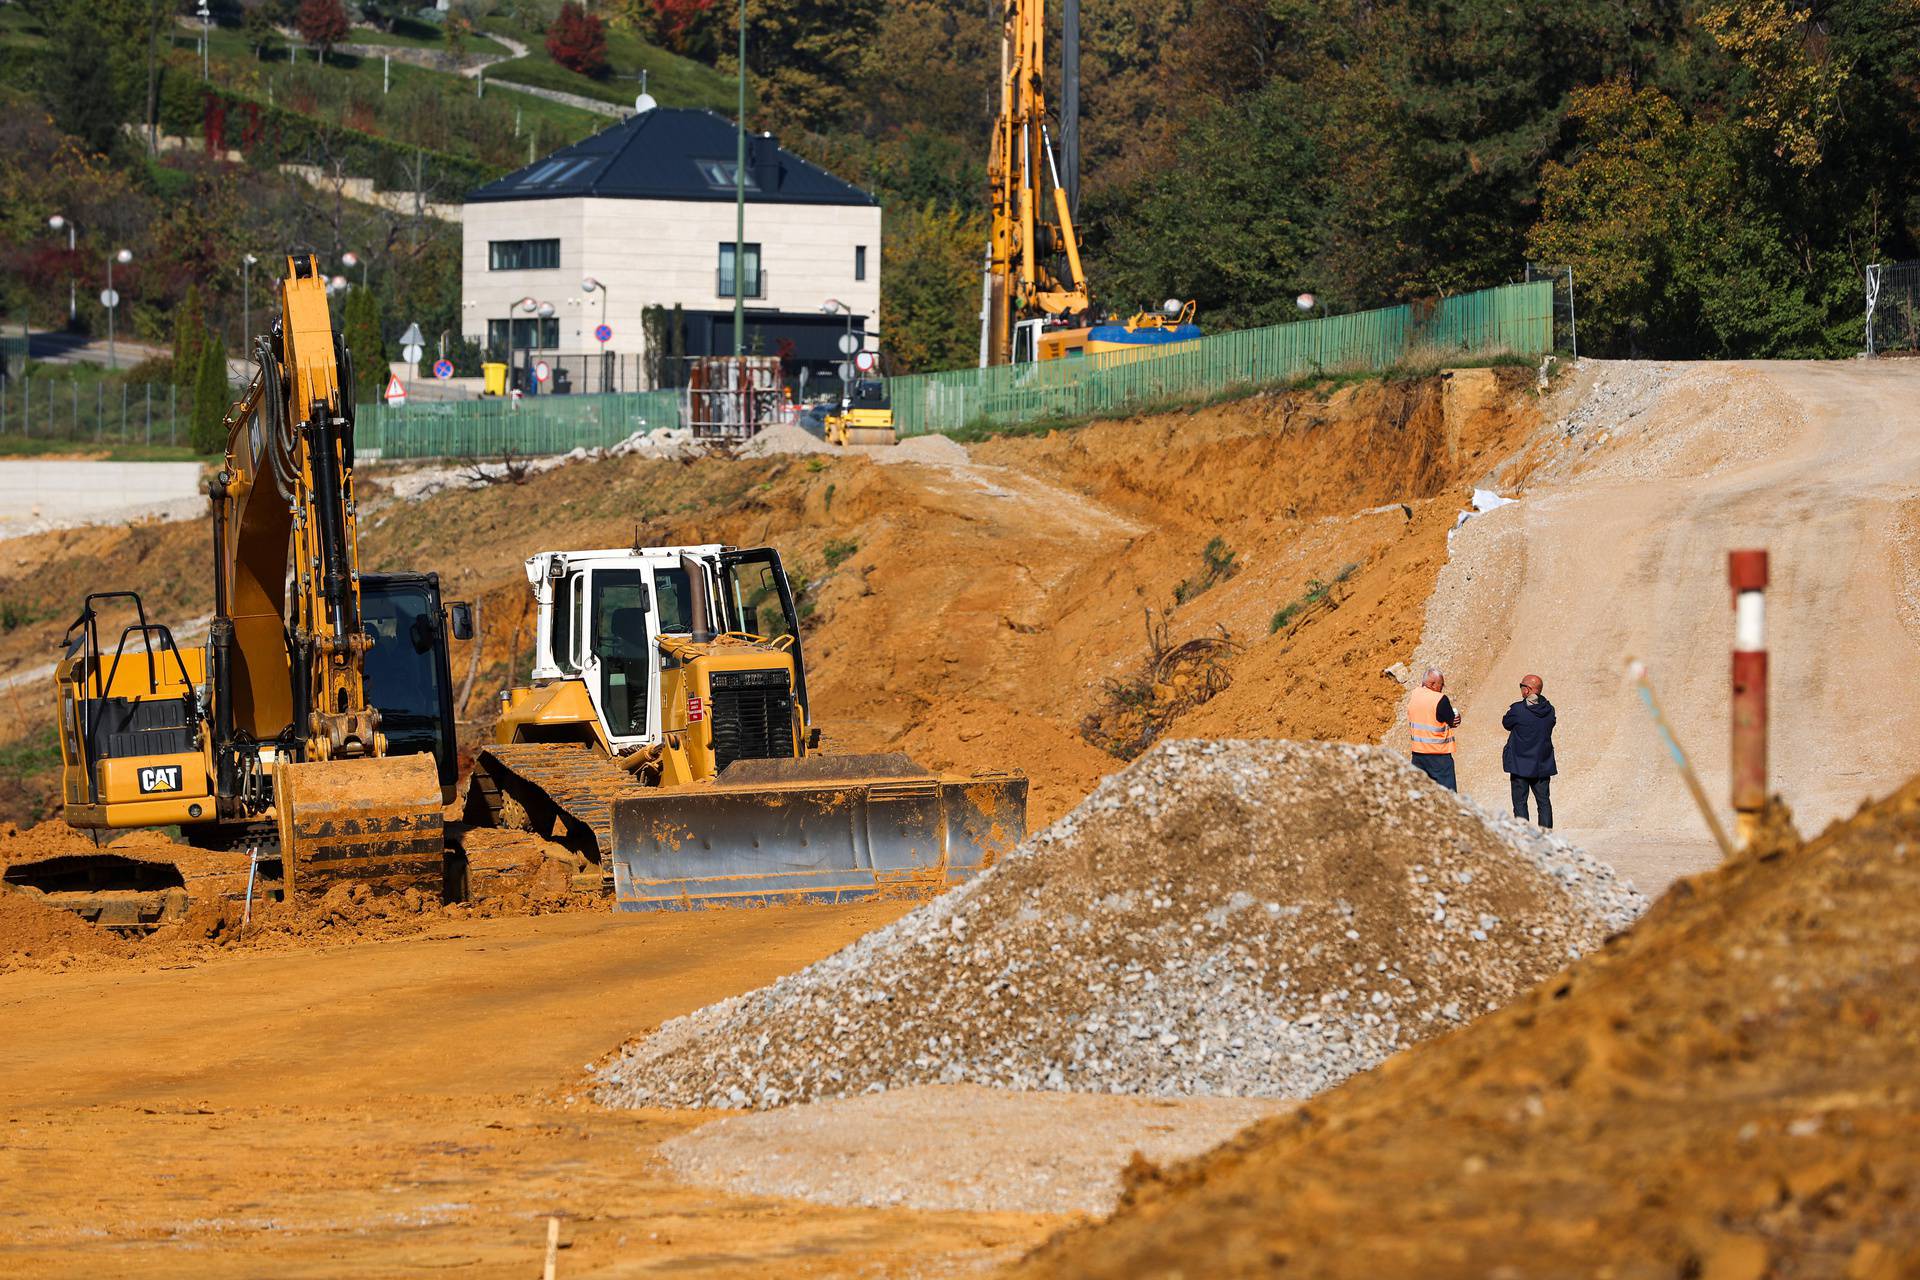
566	788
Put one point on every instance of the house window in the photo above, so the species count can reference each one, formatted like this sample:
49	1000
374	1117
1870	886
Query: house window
507	336
859	262
753	281
523	255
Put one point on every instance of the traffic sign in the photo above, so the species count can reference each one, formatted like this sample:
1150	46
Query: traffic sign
542	370
602	332
846	371
412	352
109	298
443	368
864	362
412	337
396	394
849	343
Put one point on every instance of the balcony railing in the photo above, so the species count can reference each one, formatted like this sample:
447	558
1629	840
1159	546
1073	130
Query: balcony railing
723	283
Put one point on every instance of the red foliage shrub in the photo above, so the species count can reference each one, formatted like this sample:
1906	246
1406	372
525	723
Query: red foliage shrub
578	40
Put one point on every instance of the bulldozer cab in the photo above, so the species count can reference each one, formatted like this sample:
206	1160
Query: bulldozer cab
602	615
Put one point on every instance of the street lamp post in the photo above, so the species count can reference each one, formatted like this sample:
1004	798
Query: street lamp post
594	286
111	300
246	299
830	307
59	222
206	20
740	203
350	260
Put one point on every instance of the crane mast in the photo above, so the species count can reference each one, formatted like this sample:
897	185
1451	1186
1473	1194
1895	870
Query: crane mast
1032	229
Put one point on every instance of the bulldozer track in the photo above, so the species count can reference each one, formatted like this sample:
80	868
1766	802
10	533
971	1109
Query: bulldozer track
566	787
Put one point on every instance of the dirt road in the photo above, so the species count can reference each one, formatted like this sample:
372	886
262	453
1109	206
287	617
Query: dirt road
1619	549
398	1106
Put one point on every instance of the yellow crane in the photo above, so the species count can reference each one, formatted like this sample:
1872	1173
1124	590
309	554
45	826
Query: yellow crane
1032	234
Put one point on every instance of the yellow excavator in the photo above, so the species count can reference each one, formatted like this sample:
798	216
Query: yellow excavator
667	740
316	722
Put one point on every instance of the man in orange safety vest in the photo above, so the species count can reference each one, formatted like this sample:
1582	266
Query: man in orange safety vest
1431	721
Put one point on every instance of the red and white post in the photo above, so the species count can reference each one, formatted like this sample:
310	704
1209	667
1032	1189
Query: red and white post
1747	575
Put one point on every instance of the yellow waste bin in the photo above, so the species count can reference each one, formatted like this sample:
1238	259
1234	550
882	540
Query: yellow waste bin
496	379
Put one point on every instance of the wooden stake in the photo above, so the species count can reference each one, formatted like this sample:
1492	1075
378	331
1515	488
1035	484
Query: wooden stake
1637	672
553	1247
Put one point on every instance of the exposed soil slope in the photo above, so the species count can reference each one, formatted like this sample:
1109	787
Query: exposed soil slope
1642	480
972	612
1728	1090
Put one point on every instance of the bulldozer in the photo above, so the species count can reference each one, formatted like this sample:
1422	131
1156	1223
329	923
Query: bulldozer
667	740
865	415
315	724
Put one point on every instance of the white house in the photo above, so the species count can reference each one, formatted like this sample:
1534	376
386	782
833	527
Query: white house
645	210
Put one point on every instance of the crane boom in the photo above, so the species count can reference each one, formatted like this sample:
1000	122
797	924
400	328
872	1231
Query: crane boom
1030	236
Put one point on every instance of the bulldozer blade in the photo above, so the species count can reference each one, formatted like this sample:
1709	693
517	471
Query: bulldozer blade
377	821
810	837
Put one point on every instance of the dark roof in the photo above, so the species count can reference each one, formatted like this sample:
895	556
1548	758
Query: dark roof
672	153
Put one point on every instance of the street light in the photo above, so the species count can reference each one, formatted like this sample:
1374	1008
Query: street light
350	260
246	299
594	286
206	19
111	301
543	310
57	222
830	307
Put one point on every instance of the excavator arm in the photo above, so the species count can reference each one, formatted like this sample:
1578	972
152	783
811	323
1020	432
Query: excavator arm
292	725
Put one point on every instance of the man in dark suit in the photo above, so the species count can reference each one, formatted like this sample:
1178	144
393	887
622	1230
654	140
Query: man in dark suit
1528	758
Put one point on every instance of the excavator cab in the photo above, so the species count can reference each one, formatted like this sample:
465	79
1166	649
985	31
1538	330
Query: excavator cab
667	738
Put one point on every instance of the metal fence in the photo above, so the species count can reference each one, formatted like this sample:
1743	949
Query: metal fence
1893	307
1514	318
495	427
50	408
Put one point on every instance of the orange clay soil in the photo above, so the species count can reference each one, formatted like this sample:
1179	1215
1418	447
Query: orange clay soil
1728	1091
983	609
403	1106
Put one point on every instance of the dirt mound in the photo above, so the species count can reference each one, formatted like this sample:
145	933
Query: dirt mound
781	438
1728	1090
1258	918
50	839
35	935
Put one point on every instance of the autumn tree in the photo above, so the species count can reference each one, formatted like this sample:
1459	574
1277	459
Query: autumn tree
360	327
930	307
189	337
577	40
322	23
212	397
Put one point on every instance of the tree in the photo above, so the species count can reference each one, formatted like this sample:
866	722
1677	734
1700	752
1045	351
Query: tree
578	40
212	397
804	60
322	23
189	338
257	25
360	326
930	307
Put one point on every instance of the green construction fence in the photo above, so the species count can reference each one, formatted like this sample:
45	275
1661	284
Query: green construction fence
495	427
1515	318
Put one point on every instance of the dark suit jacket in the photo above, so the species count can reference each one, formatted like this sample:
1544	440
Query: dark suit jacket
1529	752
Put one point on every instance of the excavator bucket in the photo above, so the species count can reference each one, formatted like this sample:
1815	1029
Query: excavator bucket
828	828
377	821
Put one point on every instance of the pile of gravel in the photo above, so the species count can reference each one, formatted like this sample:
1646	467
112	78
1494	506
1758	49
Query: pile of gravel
1241	918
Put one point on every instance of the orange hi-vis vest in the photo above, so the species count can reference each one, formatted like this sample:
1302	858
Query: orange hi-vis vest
1430	736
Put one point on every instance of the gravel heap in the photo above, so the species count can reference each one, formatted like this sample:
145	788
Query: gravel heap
1239	918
